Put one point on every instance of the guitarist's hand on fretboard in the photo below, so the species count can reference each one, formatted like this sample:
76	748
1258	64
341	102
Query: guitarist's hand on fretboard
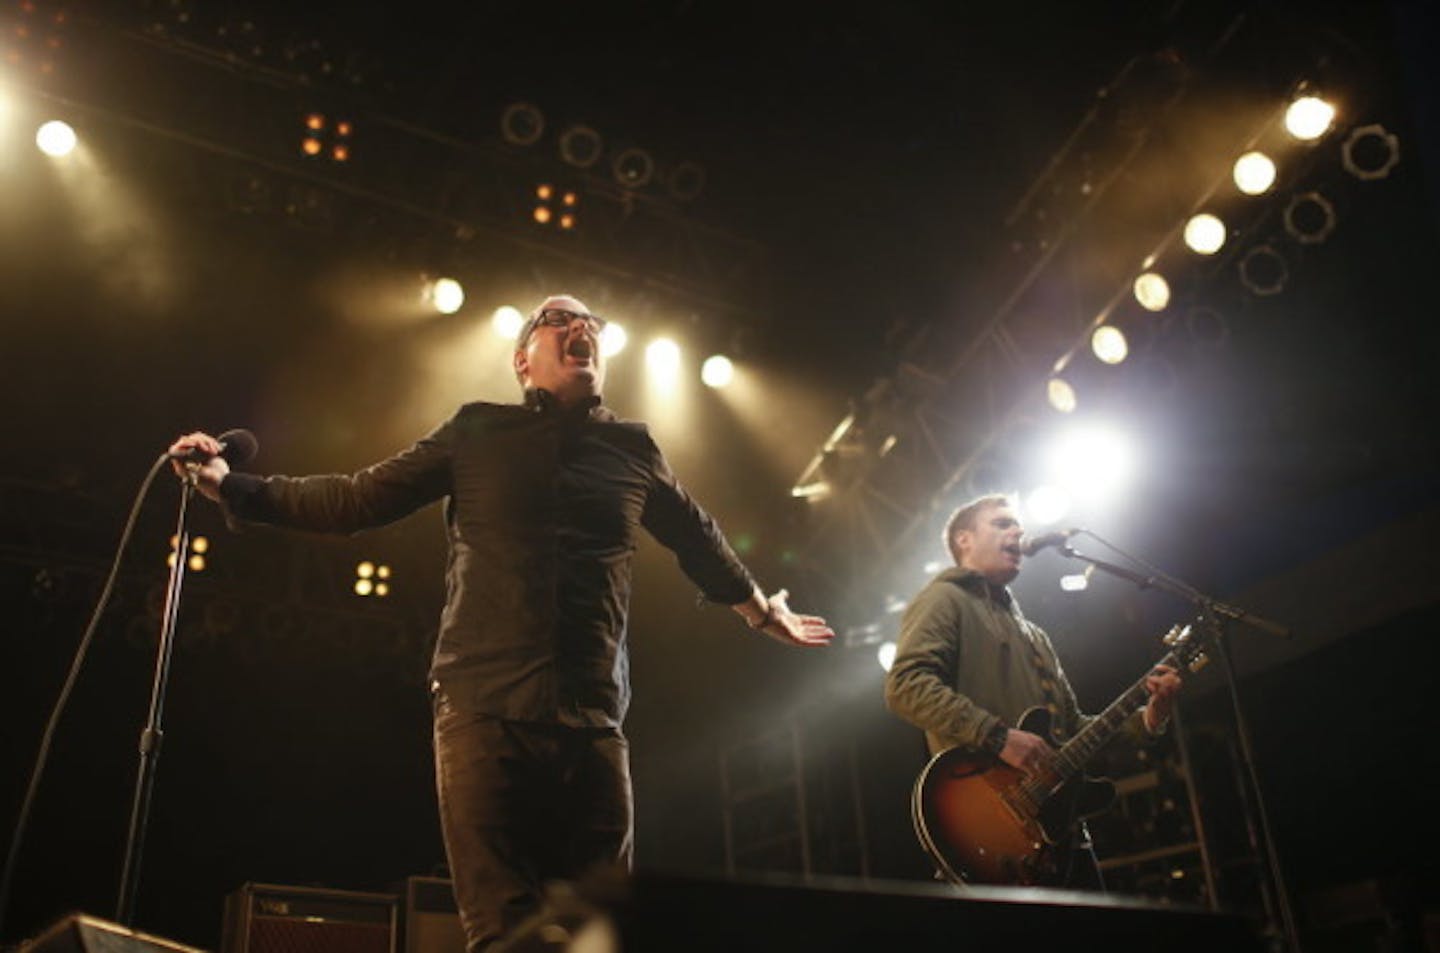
1163	683
1025	752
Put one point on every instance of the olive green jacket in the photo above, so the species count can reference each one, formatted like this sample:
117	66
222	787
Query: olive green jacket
967	659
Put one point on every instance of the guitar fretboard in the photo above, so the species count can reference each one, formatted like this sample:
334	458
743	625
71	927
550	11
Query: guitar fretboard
1078	751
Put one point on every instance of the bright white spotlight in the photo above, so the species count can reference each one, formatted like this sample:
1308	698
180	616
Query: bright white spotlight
1093	462
1254	173
1309	117
1152	291
56	138
662	359
1205	234
1109	344
612	339
447	295
1060	395
886	654
1079	582
507	321
1045	505
717	371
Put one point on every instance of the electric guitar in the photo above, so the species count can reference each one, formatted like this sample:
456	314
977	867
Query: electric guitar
983	821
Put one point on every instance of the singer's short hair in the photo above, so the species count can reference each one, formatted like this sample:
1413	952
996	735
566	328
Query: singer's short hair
966	516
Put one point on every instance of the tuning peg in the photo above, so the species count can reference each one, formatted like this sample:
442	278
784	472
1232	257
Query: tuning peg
1198	662
1177	635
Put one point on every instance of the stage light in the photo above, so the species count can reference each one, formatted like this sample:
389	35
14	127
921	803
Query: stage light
542	214
311	147
1060	395
507	322
612	339
717	371
662	358
1152	291
522	124
1263	271
1077	582
544	192
580	146
633	168
1369	152
569	199
314	122
447	295
567	222
200	544
1109	344
370	579
1254	173
1205	235
196	563
56	139
340	152
1309	218
1045	505
344	127
1309	118
885	654
1092	462
686	181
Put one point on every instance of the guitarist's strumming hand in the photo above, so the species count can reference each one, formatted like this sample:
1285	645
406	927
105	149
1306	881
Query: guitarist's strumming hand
1163	684
1025	752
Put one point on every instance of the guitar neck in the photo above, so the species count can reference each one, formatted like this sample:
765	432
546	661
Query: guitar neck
1078	751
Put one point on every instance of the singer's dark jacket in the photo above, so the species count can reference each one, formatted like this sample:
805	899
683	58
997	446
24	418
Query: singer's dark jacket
542	515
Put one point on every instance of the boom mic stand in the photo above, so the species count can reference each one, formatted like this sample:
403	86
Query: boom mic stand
1215	616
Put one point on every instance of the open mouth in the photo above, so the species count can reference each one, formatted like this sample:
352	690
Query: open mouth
580	348
1013	549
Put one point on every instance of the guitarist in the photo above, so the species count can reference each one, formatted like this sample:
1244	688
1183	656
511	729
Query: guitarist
969	664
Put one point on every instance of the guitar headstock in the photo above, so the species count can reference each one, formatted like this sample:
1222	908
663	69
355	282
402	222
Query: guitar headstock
1185	648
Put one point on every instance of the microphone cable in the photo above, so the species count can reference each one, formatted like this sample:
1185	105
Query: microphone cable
12	855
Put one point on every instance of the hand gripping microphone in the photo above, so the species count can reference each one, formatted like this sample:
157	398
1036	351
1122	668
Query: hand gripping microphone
238	447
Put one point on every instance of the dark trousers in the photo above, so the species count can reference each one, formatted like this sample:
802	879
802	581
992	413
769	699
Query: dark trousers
523	803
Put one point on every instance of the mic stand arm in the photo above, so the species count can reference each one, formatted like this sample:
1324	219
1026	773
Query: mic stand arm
153	734
1215	615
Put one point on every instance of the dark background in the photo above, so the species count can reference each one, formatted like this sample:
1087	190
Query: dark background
861	163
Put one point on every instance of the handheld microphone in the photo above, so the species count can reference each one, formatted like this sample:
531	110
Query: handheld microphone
1058	538
236	446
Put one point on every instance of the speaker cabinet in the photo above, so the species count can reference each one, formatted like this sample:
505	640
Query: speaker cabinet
265	918
79	933
430	922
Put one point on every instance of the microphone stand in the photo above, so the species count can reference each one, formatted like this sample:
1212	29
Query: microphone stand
1215	616
152	734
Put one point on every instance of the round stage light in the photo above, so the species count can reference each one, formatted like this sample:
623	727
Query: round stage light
662	358
1109	344
1204	234
1045	505
522	124
447	295
1309	218
1370	152
1309	118
507	321
581	146
1254	173
1060	395
1152	291
1263	271
56	138
717	371
613	339
1093	462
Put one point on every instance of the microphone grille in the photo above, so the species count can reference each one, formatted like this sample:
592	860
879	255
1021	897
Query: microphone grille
240	447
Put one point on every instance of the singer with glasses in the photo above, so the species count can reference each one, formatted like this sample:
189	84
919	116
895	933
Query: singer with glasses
969	664
530	676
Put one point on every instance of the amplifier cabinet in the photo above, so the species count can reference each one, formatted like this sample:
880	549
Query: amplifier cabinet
266	918
430	923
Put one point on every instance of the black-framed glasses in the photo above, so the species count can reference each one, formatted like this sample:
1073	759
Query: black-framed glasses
561	318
